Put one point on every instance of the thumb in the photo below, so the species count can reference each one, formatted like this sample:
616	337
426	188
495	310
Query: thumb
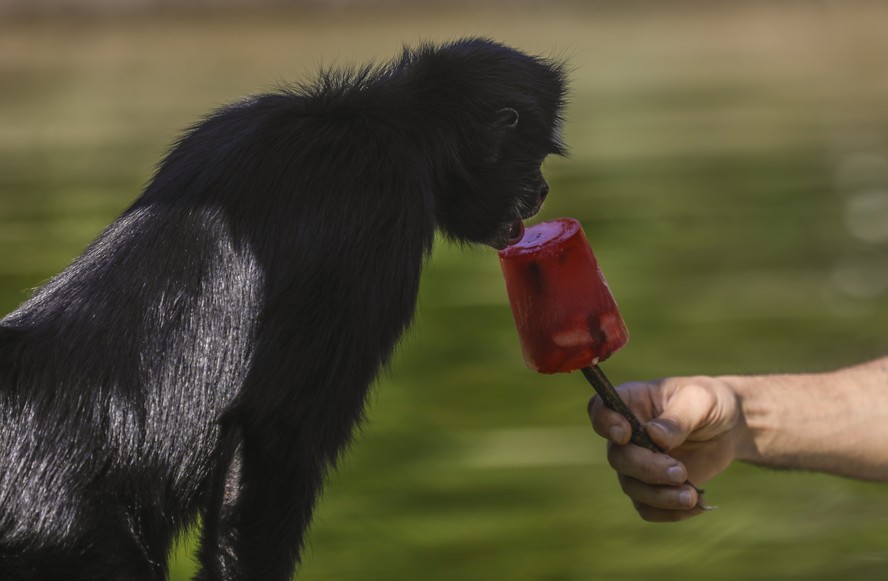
688	409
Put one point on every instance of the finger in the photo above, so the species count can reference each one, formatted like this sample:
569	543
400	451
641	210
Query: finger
646	466
608	423
682	497
689	408
651	514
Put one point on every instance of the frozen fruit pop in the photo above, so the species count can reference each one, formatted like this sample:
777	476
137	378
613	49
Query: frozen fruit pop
566	316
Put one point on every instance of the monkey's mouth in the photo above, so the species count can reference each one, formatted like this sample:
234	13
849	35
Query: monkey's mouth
508	234
513	232
516	232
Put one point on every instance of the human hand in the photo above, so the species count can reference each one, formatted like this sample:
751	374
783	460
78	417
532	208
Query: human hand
694	419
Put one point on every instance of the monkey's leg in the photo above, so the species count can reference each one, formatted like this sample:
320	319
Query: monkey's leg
256	528
221	496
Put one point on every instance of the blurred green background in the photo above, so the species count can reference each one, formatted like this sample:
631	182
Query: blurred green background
729	163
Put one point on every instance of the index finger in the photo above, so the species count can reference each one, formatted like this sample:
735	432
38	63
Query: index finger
607	423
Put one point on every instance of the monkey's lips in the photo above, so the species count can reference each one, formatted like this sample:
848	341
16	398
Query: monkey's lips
513	232
516	231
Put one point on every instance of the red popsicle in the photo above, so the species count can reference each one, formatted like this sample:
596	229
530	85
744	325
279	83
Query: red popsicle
566	316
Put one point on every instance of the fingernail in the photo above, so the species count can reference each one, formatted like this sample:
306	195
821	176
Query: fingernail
616	434
676	474
686	498
659	426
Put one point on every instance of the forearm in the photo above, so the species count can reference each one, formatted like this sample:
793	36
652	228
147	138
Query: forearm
834	422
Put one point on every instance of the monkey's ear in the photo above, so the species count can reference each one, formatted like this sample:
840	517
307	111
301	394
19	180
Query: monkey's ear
504	121
506	118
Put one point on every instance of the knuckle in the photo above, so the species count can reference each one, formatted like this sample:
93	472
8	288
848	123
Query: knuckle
593	406
613	451
674	515
616	456
625	484
653	472
647	513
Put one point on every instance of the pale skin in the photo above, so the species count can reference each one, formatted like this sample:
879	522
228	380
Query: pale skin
834	422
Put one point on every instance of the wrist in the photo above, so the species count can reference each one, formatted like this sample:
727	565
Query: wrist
783	421
834	422
754	423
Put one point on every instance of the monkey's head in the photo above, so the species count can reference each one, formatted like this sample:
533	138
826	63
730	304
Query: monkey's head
511	104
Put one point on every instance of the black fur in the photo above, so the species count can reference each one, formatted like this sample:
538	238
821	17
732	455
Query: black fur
211	352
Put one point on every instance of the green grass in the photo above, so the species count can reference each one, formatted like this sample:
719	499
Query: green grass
714	155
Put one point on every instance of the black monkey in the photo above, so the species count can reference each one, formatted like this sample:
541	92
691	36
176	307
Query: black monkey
211	352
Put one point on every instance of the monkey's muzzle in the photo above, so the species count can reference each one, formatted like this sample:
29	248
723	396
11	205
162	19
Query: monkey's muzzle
513	232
